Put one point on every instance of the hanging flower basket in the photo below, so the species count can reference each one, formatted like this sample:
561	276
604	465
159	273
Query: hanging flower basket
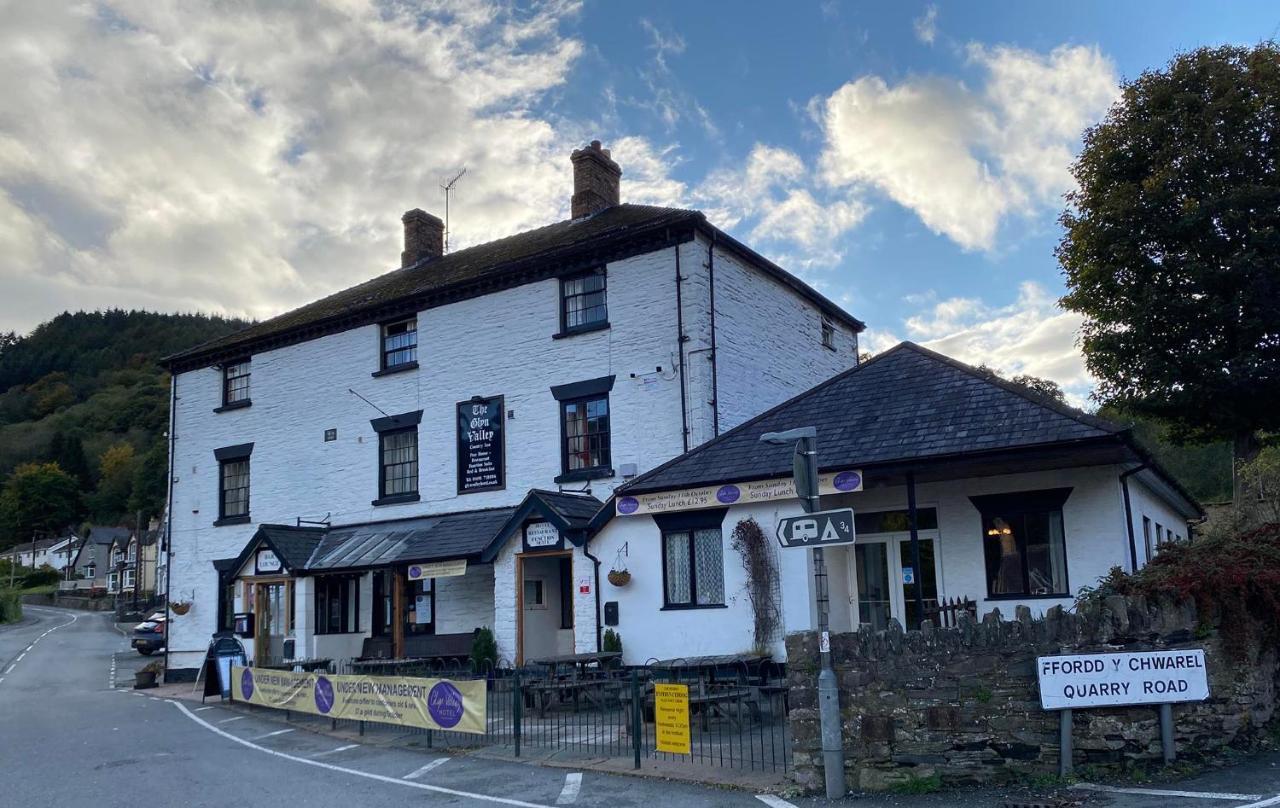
619	577
180	607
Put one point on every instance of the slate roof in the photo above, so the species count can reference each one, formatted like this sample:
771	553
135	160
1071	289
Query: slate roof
101	534
570	512
292	545
427	538
479	269
905	404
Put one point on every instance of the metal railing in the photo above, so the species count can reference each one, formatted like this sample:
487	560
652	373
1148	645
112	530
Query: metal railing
737	718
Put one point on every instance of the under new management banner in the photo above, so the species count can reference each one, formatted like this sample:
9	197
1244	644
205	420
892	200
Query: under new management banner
718	496
407	701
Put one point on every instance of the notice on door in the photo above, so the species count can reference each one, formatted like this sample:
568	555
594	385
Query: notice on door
671	718
1110	680
481	445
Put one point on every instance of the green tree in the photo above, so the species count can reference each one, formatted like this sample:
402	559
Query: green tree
116	469
38	498
1041	386
1171	247
149	481
68	452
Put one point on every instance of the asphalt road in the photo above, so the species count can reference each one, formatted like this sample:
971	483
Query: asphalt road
73	732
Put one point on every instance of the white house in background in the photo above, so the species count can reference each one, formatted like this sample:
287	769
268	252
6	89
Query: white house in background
92	560
388	463
45	552
1018	501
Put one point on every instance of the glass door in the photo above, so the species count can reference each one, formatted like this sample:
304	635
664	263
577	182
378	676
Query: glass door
273	622
926	578
886	578
875	605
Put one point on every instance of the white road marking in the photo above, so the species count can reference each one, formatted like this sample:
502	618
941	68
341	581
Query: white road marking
1158	792
47	632
774	802
1263	803
572	785
202	709
416	773
356	772
272	734
11	667
229	720
335	751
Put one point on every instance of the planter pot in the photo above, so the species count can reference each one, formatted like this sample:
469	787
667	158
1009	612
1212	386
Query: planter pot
144	679
619	577
179	607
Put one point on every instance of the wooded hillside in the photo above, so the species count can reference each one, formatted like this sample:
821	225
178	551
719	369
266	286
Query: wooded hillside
85	391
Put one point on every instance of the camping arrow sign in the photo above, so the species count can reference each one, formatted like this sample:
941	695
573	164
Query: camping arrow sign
818	529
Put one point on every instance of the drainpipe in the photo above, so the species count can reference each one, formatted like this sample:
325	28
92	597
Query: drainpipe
168	518
715	388
586	542
1128	514
680	341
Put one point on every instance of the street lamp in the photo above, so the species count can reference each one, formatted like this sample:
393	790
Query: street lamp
805	475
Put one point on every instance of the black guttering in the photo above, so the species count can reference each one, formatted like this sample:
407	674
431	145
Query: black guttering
548	264
681	339
1128	515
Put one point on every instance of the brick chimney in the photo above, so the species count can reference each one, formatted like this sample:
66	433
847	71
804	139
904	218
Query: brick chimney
595	180
423	237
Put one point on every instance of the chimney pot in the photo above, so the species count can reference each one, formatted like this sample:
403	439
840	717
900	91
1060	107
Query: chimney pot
596	180
423	237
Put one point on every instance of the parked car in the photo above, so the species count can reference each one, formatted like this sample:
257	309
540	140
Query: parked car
149	635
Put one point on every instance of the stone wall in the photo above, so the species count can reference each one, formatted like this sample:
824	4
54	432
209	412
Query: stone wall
963	705
70	602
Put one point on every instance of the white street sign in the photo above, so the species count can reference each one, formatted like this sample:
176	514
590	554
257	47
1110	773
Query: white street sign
1109	680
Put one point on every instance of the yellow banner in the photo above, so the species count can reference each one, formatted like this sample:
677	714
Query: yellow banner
411	702
671	718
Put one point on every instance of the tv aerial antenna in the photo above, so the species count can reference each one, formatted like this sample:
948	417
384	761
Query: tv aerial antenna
448	189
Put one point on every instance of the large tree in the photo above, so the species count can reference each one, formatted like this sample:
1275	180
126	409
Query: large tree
38	498
1172	246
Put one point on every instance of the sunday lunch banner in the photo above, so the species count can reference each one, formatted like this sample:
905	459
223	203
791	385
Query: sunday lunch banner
717	496
411	702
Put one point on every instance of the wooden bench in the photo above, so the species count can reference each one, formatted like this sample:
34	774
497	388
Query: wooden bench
419	651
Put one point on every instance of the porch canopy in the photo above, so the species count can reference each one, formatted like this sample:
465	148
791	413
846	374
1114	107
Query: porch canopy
443	537
569	513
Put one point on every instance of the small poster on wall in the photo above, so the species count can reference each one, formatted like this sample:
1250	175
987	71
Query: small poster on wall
422	609
481	445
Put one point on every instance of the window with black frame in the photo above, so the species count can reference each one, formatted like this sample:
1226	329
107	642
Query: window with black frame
582	302
1024	543
234	488
398	471
400	343
586	434
235	383
337	604
692	559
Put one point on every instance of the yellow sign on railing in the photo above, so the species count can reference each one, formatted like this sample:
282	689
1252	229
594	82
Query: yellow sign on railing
407	701
671	718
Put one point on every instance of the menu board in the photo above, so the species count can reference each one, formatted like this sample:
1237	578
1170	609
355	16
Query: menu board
481	445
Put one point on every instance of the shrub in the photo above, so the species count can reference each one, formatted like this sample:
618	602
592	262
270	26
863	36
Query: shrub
612	641
484	650
10	606
45	576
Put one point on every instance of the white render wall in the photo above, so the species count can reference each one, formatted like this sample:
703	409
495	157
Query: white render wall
505	601
1143	501
1096	540
499	344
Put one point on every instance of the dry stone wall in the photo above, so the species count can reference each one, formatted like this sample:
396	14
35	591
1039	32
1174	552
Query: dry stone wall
963	704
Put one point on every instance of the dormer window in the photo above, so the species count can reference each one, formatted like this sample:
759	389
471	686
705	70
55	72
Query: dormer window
235	384
399	346
582	302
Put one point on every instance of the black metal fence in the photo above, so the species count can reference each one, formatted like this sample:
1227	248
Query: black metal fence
737	717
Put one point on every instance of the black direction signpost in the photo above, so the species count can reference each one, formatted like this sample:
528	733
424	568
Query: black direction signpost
818	529
481	445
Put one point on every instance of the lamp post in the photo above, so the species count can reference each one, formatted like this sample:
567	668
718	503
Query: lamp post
805	474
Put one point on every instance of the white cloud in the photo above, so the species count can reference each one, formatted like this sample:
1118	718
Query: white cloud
962	159
926	25
250	160
1030	335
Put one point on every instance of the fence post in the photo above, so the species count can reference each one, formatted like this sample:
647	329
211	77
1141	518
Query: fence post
517	705
637	726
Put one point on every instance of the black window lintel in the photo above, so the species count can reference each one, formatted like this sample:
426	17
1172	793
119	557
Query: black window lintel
1048	499
391	422
690	520
590	387
238	452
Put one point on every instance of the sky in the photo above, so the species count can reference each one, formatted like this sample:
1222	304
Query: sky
907	159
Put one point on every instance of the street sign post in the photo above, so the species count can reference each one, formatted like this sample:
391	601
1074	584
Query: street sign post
818	529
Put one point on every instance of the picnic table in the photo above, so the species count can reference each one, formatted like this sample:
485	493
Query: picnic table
387	667
707	695
571	676
307	665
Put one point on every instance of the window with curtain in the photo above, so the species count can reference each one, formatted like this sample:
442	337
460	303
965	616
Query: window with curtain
693	567
399	462
234	484
1024	543
235	382
586	433
399	343
582	302
337	604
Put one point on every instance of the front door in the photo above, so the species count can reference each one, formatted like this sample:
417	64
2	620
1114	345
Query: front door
886	578
273	621
544	621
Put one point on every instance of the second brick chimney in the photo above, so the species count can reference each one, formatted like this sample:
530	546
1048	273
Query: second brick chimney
423	237
596	179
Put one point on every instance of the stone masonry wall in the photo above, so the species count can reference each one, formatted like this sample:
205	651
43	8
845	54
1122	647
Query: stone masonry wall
963	704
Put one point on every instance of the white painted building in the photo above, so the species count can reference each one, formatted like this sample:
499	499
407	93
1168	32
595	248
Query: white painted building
575	356
1018	501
